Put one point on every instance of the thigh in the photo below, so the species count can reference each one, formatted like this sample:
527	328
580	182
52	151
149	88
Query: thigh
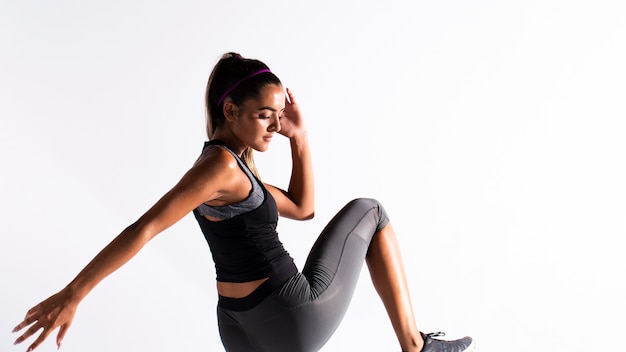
336	258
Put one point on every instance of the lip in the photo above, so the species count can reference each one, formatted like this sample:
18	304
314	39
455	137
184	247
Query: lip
268	138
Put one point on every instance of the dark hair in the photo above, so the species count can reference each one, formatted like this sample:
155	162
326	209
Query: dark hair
228	73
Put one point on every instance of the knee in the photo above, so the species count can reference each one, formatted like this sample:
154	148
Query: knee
376	206
366	202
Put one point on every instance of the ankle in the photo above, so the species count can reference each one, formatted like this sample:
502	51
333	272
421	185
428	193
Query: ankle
413	344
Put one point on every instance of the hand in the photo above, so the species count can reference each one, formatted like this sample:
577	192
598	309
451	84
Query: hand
56	311
291	124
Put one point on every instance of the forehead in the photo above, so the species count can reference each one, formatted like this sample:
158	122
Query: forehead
272	91
271	96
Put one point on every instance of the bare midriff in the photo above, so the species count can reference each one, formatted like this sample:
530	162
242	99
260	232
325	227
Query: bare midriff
238	289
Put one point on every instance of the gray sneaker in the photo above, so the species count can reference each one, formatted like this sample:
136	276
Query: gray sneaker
465	344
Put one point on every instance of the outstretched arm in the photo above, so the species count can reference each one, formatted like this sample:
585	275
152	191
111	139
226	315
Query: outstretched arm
59	309
298	202
202	183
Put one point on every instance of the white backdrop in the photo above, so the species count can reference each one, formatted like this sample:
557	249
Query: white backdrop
493	132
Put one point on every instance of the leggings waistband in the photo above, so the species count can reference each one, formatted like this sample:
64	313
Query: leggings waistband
260	293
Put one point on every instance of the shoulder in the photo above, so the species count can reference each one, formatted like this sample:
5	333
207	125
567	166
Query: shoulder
217	176
212	174
216	159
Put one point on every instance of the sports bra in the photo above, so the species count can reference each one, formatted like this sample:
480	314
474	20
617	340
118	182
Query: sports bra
254	199
244	243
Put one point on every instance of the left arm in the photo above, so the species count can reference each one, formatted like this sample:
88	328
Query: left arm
298	202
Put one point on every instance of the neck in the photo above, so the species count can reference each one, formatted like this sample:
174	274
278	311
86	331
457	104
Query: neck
231	140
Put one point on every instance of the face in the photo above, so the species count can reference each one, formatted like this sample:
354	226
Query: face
256	121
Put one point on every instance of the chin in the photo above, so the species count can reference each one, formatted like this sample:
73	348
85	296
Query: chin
261	148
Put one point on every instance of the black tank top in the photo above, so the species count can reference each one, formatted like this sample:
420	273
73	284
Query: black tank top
244	244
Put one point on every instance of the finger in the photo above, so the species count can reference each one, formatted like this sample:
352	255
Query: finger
24	323
62	330
31	331
28	319
44	335
19	327
292	100
32	312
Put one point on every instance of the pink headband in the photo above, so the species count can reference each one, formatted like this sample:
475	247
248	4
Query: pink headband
238	83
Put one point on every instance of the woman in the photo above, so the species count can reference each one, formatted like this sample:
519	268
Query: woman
261	292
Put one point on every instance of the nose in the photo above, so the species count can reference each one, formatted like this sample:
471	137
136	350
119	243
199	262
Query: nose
275	125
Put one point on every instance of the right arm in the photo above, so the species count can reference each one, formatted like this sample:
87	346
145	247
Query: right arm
211	178
298	202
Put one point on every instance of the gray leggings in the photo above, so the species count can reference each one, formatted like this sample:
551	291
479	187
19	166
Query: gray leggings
302	314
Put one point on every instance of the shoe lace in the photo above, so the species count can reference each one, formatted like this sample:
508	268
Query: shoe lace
430	335
435	334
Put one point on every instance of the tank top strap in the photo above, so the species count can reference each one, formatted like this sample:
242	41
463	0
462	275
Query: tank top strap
254	199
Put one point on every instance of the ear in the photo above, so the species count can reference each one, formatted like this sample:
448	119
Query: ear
230	110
